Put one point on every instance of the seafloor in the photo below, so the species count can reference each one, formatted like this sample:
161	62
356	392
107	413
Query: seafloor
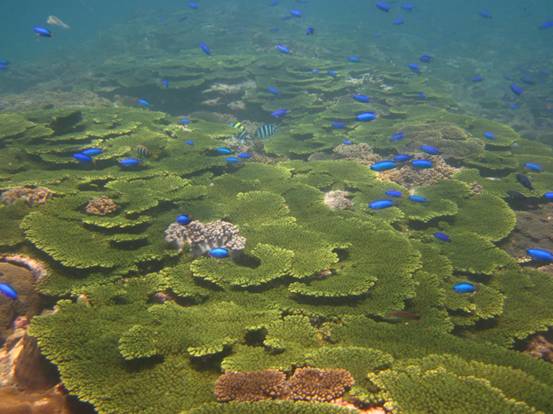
316	279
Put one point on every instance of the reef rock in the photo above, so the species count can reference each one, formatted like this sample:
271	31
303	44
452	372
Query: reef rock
31	196
338	200
539	347
361	153
101	206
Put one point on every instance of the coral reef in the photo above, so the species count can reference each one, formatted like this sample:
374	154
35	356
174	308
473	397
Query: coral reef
361	153
203	237
338	200
251	386
322	385
101	206
31	196
541	348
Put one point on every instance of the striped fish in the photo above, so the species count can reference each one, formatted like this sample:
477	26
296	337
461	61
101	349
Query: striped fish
265	131
238	125
143	151
243	136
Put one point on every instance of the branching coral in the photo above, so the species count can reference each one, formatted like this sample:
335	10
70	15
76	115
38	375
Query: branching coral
251	386
32	196
323	385
101	206
203	237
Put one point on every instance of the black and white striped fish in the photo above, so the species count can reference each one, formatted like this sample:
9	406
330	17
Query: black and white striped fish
265	131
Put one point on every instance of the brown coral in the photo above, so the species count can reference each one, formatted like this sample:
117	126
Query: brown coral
32	196
101	206
540	347
322	385
250	386
361	153
338	200
409	177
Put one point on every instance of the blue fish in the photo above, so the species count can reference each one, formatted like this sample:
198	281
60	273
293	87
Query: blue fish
540	255
42	31
296	13
82	158
205	48
402	157
165	83
414	68
422	96
4	62
429	149
397	136
184	120
354	59
189	142
273	90
366	116
193	5
310	31
382	5
245	155
219	252
489	135
383	166
408	7
425	58
129	162
92	151
442	236
393	193
398	21
183	219
8	291
517	90
532	166
464	287
223	150
477	78
514	106
143	103
279	113
232	160
332	73
418	198
486	14
338	124
548	196
282	48
380	204
346	141
546	25
524	181
361	98
421	164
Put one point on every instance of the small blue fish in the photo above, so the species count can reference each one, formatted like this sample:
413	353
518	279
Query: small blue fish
397	136
429	149
8	291
205	48
189	142
425	58
380	204
245	155
382	5
546	25
361	98
183	219
414	68
489	135
42	31
279	113
486	14
366	116
421	164
273	90
548	196
408	7
310	31
422	96
383	166
219	252
129	162
477	78
524	181
354	59
282	49
223	151
514	106
184	120
346	141
417	198
338	124
517	90
442	236
393	193
92	151
296	13
143	103
464	287
398	21
332	73
540	255
532	166
403	157
82	158
315	71
193	5
232	160
165	83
